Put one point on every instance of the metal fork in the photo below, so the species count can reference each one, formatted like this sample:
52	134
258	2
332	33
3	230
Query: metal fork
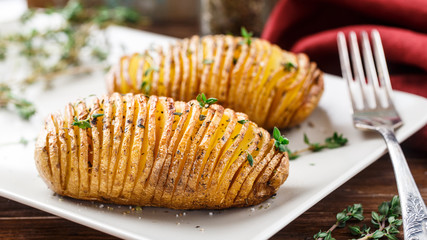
373	109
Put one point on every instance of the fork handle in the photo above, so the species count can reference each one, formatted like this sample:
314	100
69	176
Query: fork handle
414	211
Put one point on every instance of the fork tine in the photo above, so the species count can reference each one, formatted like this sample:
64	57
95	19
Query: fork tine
370	71
358	67
382	65
345	65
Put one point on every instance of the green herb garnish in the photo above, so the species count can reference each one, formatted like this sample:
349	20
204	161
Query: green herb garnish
205	102
331	142
280	142
250	159
177	113
289	66
335	141
243	121
202	117
24	108
385	222
246	36
97	115
83	124
72	39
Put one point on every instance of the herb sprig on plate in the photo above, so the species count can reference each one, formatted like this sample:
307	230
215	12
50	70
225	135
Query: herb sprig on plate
334	141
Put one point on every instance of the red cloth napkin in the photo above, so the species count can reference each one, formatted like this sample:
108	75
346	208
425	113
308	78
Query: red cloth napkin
311	26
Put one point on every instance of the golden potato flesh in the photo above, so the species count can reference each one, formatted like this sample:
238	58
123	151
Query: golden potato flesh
272	86
152	151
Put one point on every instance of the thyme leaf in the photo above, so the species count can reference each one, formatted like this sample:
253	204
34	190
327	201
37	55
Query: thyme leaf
243	121
205	102
250	159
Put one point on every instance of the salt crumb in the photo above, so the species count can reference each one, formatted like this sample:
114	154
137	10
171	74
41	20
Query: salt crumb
210	213
176	215
101	206
184	213
178	223
252	209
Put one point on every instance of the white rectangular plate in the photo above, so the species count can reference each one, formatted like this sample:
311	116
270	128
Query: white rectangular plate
312	176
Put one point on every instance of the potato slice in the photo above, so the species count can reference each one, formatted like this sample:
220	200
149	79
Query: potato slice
107	136
186	68
177	77
311	100
181	152
96	136
156	152
194	51
127	126
208	52
181	114
73	165
53	151
241	55
135	162
226	69
84	145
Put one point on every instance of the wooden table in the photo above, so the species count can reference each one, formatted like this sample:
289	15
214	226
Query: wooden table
370	187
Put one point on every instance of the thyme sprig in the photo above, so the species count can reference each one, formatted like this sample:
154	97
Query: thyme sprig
9	100
85	123
335	141
288	66
385	222
354	211
77	50
280	142
247	36
205	102
243	121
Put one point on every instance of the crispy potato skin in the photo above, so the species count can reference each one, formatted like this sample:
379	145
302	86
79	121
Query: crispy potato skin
152	151
275	88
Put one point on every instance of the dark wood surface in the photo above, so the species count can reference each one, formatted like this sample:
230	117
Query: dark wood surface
372	186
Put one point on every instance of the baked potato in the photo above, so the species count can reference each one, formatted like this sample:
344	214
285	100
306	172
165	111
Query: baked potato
153	151
272	86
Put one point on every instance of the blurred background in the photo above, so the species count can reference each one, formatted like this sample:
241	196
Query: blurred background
211	16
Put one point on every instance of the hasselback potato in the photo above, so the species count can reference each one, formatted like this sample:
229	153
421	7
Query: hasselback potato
152	151
272	86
